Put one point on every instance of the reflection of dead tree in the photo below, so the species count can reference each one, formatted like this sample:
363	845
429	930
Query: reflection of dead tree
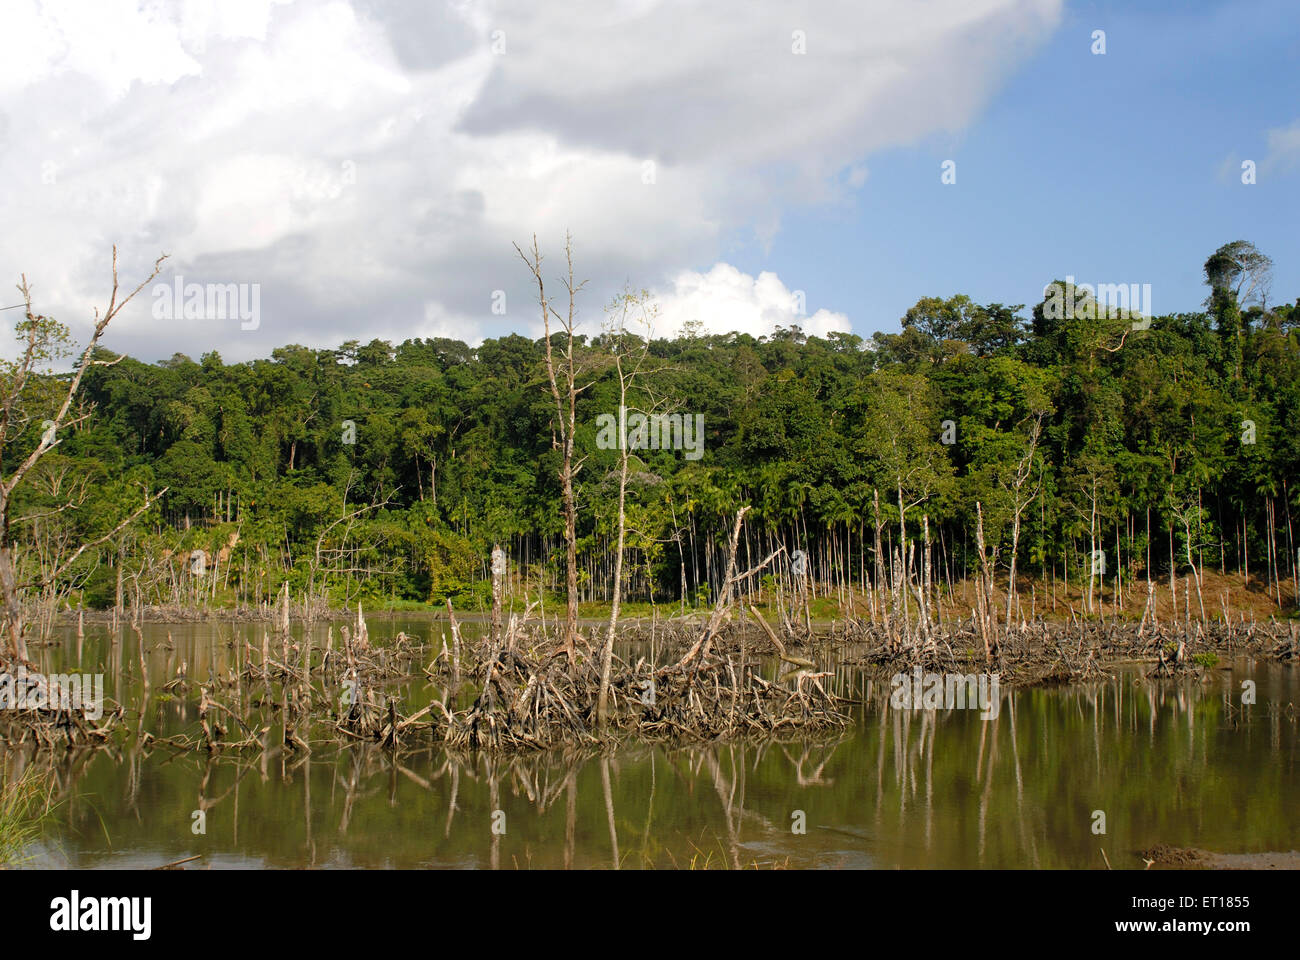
570	815
609	809
805	780
451	801
731	811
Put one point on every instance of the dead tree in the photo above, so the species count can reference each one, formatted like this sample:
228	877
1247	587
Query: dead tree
565	391
627	368
1020	501
700	649
21	384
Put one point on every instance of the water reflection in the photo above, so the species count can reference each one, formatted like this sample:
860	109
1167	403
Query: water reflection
1177	762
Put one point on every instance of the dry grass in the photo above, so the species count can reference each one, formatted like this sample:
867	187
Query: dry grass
1255	601
25	805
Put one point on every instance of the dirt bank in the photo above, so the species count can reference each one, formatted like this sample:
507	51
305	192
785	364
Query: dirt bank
1165	857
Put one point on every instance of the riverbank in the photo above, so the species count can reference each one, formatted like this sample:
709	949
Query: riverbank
1223	597
1163	856
1042	651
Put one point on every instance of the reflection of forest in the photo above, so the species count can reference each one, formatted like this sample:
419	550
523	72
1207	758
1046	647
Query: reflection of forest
1177	762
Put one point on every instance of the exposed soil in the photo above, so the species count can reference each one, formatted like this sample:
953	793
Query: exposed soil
1225	596
1164	856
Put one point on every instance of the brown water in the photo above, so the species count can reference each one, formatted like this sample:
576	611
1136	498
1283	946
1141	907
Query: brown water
1176	762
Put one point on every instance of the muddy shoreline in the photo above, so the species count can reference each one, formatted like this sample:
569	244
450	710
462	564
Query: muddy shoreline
1040	652
1168	857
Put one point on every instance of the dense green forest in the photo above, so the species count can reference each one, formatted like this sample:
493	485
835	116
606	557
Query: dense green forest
387	472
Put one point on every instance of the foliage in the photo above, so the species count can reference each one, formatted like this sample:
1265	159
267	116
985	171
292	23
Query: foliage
388	472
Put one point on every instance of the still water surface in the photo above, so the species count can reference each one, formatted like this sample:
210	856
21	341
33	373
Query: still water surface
1180	762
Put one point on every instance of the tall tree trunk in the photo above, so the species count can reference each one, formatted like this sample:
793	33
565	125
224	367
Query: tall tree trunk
607	659
984	593
902	547
1011	584
879	563
12	603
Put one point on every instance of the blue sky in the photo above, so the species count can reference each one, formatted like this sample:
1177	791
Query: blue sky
367	165
1121	168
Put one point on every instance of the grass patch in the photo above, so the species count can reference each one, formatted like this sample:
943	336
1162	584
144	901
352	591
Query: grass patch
25	805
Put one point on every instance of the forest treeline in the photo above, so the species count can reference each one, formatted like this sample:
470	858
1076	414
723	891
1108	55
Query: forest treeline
1077	445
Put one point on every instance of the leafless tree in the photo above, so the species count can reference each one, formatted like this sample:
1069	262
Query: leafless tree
1021	497
29	384
627	366
563	379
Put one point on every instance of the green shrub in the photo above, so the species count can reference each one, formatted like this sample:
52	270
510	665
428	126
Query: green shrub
24	806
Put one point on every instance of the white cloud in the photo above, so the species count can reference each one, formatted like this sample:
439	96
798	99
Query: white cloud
725	300
1283	148
360	160
720	80
114	43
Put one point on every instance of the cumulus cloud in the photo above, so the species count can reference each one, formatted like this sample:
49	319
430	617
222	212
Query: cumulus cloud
361	161
726	300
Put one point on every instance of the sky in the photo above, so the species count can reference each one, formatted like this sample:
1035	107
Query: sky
362	169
